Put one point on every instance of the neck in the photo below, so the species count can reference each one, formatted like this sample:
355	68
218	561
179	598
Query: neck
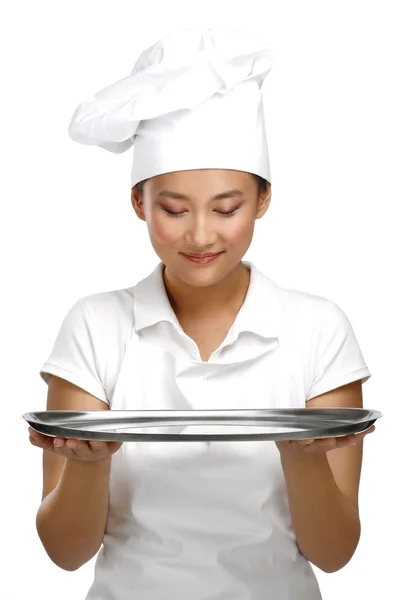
228	293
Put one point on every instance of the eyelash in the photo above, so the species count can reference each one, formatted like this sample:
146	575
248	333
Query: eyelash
226	214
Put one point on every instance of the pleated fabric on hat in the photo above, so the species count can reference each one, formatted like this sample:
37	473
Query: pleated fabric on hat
192	101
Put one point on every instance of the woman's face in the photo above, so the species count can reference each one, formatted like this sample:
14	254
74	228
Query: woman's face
186	213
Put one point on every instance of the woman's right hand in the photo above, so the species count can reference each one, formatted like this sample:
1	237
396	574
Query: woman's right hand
85	450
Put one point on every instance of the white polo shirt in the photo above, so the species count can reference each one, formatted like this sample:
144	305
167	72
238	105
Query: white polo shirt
197	519
312	332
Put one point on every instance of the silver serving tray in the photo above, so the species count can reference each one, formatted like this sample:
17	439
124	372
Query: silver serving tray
206	425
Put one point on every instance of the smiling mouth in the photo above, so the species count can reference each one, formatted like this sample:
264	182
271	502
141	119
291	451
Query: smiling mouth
207	255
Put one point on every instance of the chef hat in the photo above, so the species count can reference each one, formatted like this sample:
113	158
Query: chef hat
192	101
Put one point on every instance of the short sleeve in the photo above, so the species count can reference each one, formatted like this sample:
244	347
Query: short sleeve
74	356
338	359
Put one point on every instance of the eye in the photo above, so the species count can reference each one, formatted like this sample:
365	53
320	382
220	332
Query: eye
176	214
228	214
172	214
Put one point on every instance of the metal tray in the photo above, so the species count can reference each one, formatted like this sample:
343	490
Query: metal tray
206	425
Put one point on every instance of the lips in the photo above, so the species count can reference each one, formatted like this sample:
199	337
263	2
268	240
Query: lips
207	255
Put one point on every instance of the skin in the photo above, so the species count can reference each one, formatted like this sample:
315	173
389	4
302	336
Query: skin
193	288
322	479
322	476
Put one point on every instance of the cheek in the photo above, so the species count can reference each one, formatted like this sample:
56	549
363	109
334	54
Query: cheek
161	230
239	229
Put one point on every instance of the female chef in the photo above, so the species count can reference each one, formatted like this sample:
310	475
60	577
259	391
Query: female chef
204	330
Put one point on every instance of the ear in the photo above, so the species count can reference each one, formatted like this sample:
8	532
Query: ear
264	202
137	203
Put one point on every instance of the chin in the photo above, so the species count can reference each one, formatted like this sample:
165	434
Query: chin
199	276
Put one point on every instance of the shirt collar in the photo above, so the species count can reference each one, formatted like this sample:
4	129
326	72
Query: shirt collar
260	312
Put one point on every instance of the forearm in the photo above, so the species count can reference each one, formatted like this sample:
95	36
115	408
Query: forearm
72	518
325	523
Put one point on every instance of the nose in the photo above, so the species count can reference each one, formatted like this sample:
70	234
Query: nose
200	234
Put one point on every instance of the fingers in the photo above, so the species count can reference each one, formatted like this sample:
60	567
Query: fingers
74	448
342	441
42	441
83	449
326	444
87	449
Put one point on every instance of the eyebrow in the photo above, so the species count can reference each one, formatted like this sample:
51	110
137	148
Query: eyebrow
229	194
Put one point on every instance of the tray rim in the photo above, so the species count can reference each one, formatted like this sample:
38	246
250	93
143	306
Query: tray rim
369	417
251	412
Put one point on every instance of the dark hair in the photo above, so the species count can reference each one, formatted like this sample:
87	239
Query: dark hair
262	184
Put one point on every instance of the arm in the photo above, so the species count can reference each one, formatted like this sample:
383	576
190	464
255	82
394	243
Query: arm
323	491
72	517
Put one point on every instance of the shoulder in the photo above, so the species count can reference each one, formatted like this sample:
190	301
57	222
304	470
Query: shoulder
295	301
290	301
307	316
110	304
110	319
110	313
315	324
302	309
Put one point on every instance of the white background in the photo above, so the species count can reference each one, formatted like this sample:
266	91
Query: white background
68	228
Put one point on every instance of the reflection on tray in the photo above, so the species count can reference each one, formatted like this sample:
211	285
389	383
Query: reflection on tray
204	430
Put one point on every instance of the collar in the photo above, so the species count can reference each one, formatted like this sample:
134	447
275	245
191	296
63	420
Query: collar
260	312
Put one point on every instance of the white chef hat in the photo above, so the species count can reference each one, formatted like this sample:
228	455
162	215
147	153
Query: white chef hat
193	101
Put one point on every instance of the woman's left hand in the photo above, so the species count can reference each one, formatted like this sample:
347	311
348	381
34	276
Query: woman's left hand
320	445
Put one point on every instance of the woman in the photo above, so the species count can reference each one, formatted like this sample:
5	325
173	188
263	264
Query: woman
199	520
